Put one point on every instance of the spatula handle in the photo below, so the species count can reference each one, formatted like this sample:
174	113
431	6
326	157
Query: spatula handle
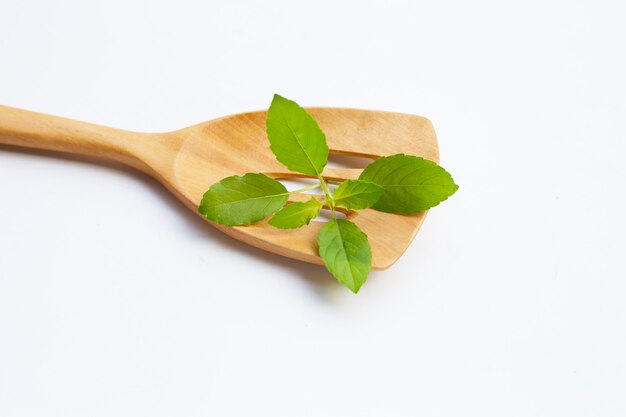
42	131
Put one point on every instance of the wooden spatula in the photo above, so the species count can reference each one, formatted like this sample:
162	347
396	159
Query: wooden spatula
190	160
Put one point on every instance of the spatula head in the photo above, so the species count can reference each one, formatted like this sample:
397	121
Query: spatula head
235	145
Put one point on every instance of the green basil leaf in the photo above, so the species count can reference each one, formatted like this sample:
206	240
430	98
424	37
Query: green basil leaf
357	194
411	184
243	200
346	252
296	215
295	137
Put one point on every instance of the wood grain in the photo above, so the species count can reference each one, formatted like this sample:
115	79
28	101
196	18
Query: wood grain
188	161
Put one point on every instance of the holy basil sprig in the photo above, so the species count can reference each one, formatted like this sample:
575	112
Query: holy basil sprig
395	184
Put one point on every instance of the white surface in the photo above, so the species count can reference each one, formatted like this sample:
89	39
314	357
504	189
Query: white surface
115	300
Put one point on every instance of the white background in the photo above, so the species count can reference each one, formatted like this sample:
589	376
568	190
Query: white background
117	300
